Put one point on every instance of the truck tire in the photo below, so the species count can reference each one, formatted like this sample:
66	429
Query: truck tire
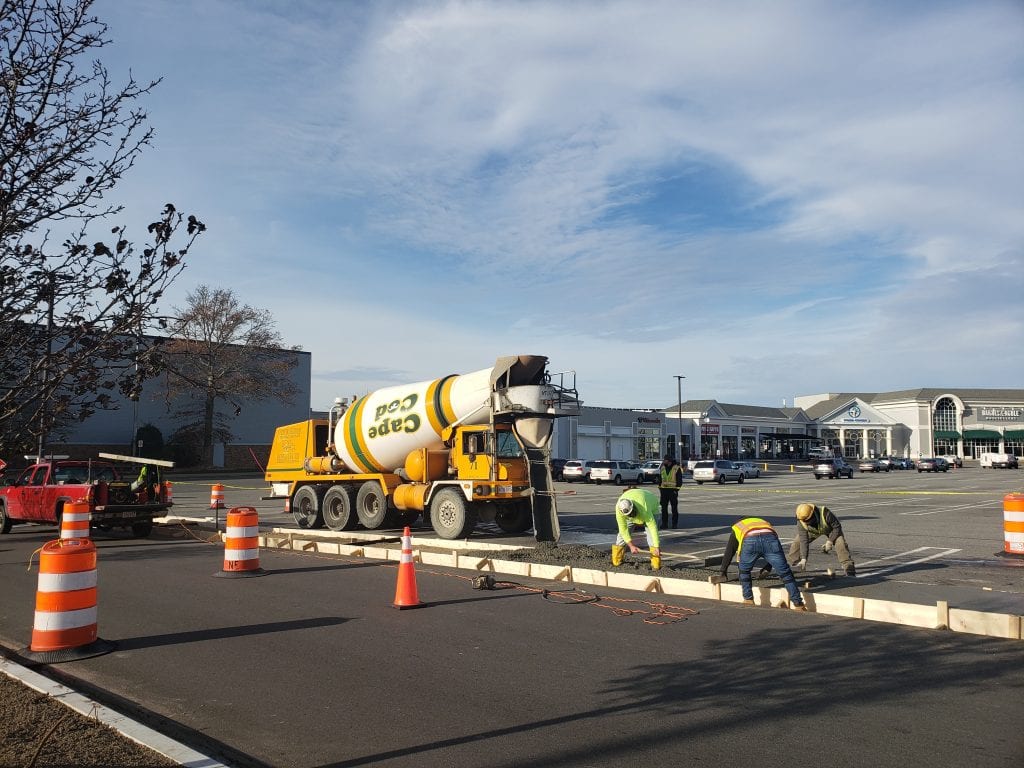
514	518
306	508
339	509
5	521
451	516
142	529
371	505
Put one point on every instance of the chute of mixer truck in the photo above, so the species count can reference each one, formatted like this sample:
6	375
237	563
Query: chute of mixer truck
457	450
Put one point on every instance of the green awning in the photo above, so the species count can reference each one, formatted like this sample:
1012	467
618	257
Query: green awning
981	434
947	434
1014	434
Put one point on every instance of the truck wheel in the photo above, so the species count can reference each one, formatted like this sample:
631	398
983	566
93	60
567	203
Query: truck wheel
306	508
338	511
142	529
371	505
514	518
5	521
451	517
618	479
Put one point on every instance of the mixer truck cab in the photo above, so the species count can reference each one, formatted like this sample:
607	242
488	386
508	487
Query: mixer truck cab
457	451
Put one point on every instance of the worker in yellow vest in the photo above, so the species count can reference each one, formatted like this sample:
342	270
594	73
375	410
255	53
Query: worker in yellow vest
754	539
671	479
636	507
818	520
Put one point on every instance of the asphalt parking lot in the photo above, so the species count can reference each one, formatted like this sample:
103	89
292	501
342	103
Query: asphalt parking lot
312	666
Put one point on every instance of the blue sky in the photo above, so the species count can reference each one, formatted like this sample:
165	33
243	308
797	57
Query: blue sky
770	198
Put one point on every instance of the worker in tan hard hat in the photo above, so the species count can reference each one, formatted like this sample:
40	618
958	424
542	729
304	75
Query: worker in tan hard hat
813	521
637	507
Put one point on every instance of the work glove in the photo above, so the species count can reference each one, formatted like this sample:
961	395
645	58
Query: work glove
827	546
802	565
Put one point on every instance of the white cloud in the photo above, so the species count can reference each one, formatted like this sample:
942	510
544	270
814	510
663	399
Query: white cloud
758	193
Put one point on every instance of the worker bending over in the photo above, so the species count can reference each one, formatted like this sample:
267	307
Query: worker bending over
754	539
637	507
814	521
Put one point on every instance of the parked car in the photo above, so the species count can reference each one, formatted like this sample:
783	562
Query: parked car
717	471
887	462
872	465
576	471
556	468
938	464
650	472
901	462
748	468
611	471
832	468
953	460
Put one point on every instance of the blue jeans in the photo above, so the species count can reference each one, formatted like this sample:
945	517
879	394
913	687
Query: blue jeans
768	546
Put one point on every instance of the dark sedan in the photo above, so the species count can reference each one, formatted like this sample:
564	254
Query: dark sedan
932	465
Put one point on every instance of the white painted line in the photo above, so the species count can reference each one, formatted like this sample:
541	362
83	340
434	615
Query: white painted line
876	572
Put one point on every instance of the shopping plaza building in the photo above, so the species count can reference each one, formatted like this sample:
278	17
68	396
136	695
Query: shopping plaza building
912	423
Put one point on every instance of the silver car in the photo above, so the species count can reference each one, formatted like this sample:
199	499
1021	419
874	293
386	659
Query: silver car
833	468
718	471
748	468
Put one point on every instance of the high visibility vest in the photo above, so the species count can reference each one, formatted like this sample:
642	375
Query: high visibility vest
746	525
670	477
816	526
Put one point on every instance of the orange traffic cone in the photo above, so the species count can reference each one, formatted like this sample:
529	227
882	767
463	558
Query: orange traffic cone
65	626
74	520
217	496
242	544
406	594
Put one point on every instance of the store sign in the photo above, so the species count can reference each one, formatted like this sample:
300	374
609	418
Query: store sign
748	430
645	420
1008	414
709	429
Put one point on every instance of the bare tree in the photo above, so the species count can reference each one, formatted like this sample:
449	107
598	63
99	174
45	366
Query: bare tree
220	350
70	313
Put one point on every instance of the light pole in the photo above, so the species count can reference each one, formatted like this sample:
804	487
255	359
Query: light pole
679	396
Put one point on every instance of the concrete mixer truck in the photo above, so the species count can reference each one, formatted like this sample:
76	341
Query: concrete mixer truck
457	450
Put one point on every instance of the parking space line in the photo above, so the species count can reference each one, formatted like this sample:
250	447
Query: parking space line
897	566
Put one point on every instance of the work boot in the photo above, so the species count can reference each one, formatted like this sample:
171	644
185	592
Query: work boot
748	602
765	572
800	607
850	569
618	553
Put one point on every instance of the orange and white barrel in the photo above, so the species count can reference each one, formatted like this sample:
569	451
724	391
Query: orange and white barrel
217	496
1013	523
66	608
168	492
242	541
74	520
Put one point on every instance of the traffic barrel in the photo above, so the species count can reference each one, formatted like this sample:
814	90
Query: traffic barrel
406	594
65	623
242	544
217	496
169	492
74	520
1013	524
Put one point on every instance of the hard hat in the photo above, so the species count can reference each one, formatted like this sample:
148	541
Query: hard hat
625	506
804	512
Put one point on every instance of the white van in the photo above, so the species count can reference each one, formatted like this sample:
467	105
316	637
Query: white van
998	460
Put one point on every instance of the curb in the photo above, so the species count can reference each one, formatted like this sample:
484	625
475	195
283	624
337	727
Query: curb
130	729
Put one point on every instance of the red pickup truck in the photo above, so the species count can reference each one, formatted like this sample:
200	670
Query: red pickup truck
38	494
